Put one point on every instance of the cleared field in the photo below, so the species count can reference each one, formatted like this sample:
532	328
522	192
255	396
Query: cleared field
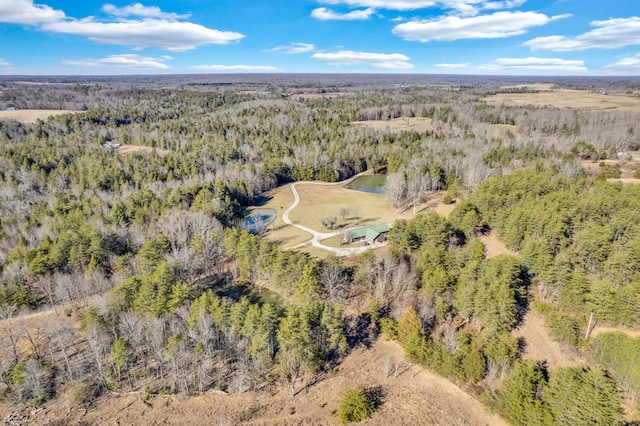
129	149
279	199
299	96
318	202
32	115
416	124
570	99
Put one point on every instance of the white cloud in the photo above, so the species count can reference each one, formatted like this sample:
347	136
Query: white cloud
138	9
609	34
152	27
376	60
495	25
324	14
463	7
27	13
125	61
454	66
154	33
234	68
294	48
536	64
625	66
4	63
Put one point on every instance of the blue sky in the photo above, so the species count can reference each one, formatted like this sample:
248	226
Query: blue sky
514	37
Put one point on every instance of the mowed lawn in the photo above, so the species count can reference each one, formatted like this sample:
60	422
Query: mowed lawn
319	201
280	199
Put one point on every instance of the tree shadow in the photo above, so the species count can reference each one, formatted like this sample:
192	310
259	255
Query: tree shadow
262	200
376	395
522	345
359	332
522	306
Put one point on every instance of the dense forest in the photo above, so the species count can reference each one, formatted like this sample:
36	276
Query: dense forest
158	289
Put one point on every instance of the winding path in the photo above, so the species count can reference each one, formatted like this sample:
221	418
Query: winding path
317	237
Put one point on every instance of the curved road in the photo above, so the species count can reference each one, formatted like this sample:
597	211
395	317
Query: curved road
317	237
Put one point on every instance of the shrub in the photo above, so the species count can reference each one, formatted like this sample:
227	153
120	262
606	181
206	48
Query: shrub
389	328
375	311
329	222
447	199
563	327
355	405
78	394
636	174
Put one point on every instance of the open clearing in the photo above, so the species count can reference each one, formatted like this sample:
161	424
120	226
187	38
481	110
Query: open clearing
570	99
627	168
129	149
416	124
30	116
540	346
534	331
279	199
493	246
331	95
415	397
318	201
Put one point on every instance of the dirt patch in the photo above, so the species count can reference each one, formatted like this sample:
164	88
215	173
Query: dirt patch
580	100
539	346
414	397
30	116
494	247
130	149
416	124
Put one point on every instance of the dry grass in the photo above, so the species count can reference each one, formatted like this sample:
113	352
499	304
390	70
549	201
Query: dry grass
494	247
280	199
416	124
534	86
627	169
318	201
30	116
540	346
570	99
130	149
298	96
415	397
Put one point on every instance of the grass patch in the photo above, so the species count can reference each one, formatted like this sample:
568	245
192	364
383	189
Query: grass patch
571	99
33	115
280	199
318	201
416	124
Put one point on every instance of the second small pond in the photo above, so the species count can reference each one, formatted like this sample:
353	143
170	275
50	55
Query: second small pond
374	184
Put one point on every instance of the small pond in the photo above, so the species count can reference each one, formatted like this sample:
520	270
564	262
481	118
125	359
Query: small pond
373	184
258	220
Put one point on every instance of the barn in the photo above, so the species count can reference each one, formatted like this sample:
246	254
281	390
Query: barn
368	234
